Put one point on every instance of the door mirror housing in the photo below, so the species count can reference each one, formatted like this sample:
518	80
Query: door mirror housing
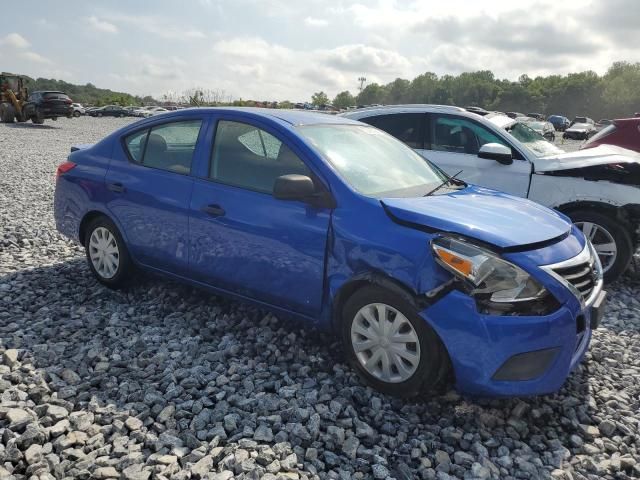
293	187
302	188
497	152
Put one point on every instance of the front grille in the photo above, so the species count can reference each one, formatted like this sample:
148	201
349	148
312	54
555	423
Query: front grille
582	276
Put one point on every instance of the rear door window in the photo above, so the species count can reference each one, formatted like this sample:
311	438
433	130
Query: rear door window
406	127
169	146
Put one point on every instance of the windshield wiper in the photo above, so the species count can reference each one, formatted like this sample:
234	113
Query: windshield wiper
447	181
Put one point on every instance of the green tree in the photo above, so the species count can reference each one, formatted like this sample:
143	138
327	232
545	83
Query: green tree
371	94
344	100
319	98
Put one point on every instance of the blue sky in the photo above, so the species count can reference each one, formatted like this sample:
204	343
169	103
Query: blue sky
284	49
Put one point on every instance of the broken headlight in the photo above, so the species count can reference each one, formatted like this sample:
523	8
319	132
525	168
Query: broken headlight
497	285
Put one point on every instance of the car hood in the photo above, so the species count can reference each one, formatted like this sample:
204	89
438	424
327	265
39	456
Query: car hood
601	155
479	213
579	127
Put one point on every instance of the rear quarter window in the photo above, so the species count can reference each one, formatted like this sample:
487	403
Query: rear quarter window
135	144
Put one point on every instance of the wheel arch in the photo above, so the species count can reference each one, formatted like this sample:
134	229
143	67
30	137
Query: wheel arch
627	215
91	215
353	284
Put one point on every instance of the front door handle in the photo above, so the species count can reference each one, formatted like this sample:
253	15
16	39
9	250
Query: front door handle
214	210
116	187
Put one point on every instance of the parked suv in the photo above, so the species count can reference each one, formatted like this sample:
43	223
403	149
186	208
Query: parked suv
43	105
343	227
596	188
559	122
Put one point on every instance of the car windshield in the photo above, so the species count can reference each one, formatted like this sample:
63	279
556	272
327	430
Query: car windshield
373	162
536	125
533	140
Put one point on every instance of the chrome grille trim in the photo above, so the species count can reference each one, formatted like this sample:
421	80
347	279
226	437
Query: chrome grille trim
579	282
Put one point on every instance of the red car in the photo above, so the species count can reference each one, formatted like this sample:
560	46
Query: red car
623	133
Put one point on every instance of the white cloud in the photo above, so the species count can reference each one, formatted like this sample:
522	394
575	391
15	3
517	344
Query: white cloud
102	25
316	22
158	26
15	40
35	57
275	71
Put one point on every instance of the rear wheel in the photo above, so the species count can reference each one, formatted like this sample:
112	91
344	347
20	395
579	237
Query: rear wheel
76	113
107	253
7	113
391	347
610	238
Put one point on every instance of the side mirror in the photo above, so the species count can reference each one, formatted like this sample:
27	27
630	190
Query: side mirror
497	152
293	187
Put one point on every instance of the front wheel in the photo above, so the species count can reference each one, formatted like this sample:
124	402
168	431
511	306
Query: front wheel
610	239
76	114
38	118
107	253
391	347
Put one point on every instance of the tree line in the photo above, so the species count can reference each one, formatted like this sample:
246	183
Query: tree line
87	94
615	94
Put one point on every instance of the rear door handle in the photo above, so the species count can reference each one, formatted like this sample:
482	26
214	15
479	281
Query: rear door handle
116	187
214	210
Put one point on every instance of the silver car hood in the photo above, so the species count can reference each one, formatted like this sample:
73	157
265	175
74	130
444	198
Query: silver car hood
580	127
601	155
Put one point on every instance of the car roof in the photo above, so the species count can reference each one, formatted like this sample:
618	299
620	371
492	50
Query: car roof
414	107
291	117
500	121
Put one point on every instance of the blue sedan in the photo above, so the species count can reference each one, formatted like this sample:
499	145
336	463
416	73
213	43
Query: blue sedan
331	221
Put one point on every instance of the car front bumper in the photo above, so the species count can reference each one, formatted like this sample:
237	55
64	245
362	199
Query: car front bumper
512	355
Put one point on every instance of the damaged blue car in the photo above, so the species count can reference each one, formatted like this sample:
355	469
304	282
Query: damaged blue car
426	279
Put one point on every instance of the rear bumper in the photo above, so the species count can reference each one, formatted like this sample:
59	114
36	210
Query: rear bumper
57	111
510	355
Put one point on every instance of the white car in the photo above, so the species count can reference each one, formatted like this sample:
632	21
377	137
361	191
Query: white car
581	128
149	111
158	110
78	109
597	188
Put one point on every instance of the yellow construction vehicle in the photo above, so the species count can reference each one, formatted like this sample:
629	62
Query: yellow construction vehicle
13	95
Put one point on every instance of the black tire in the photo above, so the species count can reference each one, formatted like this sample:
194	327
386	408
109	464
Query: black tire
433	365
619	232
125	267
76	113
99	115
7	113
38	118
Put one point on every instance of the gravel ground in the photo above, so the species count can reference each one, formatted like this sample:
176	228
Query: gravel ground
165	381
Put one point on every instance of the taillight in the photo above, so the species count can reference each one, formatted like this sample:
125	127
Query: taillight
64	168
